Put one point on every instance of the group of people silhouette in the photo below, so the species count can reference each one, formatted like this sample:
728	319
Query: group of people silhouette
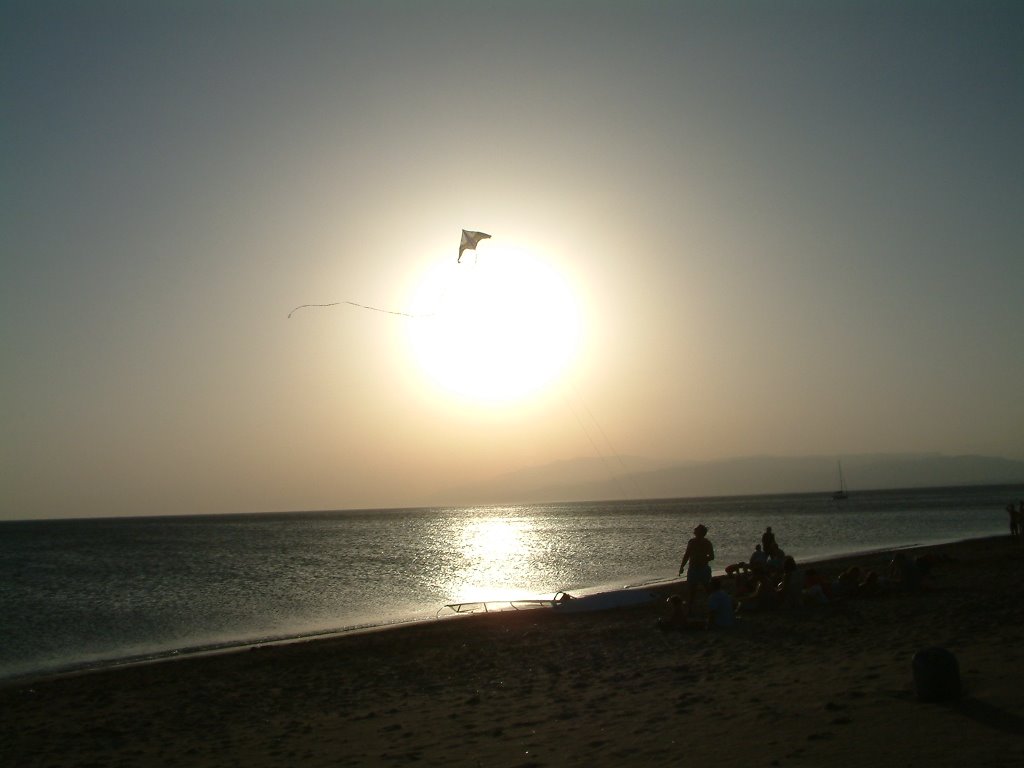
771	580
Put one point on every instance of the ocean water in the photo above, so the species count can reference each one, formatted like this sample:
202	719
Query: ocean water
77	593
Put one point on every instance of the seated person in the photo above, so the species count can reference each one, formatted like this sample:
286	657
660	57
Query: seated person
846	583
676	616
870	586
777	560
903	573
720	606
791	588
758	560
762	598
929	560
682	617
744	584
698	611
816	588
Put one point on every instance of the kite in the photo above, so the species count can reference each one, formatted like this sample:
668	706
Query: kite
469	241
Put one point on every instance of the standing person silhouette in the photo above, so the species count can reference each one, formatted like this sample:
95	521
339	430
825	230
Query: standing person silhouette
699	553
768	543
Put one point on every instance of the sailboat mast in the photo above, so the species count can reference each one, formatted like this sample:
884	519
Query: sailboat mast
841	493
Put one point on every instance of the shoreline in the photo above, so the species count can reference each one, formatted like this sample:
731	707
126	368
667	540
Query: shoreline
657	585
818	686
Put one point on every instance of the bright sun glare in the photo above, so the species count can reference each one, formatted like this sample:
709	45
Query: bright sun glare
495	559
496	328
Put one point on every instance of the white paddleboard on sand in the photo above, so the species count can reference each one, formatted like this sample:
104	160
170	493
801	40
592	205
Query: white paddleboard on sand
620	598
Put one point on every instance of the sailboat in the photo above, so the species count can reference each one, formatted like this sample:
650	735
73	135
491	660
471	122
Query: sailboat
841	494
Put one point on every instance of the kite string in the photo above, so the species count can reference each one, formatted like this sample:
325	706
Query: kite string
354	304
597	450
438	302
470	240
626	472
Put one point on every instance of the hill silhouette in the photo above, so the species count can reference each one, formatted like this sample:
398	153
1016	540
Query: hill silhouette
616	477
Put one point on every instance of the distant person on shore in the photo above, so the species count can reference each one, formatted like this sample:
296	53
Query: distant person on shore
699	554
1015	518
768	542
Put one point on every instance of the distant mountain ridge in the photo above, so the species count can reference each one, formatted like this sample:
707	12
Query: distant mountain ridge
616	477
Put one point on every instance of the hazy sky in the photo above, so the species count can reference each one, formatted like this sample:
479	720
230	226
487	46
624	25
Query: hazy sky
718	229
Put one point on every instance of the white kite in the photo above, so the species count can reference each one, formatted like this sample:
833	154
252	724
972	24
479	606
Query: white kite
469	241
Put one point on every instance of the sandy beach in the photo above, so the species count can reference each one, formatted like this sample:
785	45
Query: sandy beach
822	686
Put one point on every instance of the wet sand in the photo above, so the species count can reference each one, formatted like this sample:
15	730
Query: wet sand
827	686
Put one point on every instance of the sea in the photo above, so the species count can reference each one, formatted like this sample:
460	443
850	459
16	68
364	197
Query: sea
82	593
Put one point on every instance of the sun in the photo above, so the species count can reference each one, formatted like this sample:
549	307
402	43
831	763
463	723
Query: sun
497	328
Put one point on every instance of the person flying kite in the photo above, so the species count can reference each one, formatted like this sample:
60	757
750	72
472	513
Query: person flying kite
469	241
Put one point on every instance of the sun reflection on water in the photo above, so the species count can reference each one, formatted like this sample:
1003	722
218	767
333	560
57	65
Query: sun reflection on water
495	559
